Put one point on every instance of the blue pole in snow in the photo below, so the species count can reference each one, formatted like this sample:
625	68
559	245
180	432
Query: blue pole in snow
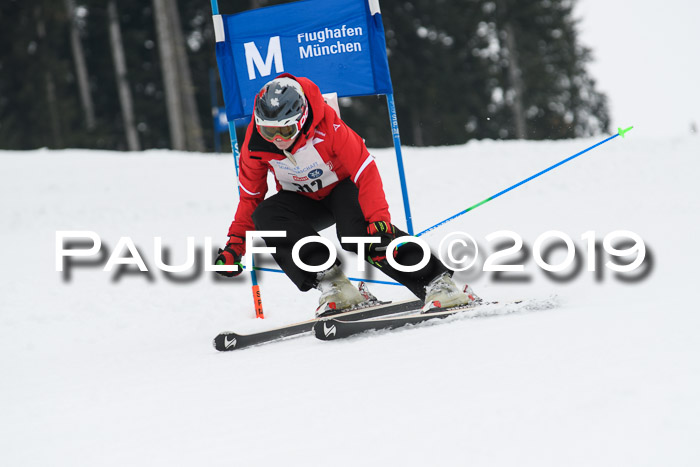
512	187
236	155
393	120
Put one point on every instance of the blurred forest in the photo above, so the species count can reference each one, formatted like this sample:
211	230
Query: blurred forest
135	74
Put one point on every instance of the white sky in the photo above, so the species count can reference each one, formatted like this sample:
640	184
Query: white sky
647	60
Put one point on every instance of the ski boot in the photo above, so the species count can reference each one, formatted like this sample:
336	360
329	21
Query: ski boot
337	293
442	293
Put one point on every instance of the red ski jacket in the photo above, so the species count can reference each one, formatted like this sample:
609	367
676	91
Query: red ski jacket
326	152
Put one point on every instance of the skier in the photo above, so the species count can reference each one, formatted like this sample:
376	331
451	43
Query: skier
324	176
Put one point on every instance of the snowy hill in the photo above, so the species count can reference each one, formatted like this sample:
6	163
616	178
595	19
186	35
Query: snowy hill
108	369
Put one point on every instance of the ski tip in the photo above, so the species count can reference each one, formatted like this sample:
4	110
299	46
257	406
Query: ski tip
326	329
225	342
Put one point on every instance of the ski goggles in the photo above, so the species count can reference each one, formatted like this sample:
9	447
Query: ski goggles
270	133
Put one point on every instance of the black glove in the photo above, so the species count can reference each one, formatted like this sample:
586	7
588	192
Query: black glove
230	255
376	252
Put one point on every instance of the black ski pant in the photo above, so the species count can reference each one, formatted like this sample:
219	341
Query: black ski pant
301	217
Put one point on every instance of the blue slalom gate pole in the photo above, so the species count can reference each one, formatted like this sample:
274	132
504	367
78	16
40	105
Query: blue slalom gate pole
393	120
234	144
503	192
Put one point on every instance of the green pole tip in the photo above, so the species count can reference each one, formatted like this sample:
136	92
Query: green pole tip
622	132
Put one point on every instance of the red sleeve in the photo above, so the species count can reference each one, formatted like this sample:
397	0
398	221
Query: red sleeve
363	170
252	183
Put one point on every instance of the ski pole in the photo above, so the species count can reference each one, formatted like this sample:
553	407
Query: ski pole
620	132
257	299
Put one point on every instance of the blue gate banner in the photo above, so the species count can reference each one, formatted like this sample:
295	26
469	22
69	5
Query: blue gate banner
338	44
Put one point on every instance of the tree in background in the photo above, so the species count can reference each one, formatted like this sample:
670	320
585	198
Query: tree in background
169	68
461	70
125	100
552	96
488	69
80	66
441	72
185	129
34	77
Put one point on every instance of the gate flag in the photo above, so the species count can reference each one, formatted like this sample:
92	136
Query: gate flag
338	44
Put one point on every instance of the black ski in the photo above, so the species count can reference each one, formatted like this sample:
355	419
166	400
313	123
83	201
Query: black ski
227	341
337	328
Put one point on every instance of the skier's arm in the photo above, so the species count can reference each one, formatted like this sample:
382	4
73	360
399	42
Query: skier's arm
252	181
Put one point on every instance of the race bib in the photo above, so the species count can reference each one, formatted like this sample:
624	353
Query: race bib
310	173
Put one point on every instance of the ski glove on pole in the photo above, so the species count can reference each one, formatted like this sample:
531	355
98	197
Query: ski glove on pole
376	252
230	255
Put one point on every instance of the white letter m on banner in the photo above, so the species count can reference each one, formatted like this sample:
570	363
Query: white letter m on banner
274	54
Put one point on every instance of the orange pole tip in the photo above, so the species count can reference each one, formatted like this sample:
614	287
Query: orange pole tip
257	300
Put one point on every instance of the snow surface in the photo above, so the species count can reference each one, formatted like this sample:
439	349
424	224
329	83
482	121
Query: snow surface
112	371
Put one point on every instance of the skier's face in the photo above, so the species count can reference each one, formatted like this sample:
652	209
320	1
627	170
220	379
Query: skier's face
283	144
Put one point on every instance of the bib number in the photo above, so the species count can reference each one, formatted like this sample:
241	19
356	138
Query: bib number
309	188
310	174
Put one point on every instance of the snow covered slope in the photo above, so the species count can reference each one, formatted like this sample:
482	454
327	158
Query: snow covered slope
107	369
